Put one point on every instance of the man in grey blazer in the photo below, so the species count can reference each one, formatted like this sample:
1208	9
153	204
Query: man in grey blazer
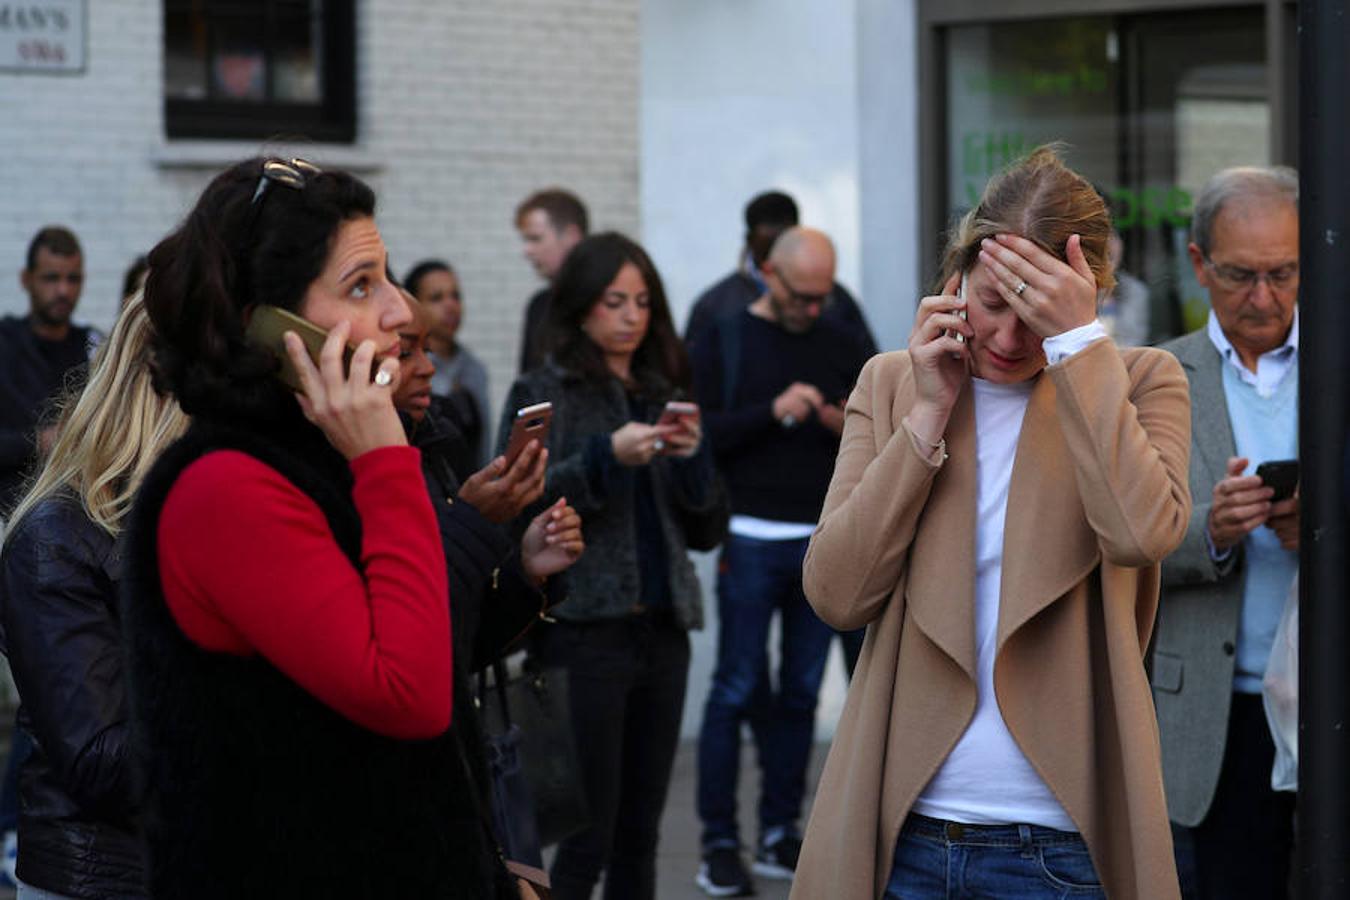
1225	587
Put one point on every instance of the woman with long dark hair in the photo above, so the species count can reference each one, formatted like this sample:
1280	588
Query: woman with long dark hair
285	586
647	493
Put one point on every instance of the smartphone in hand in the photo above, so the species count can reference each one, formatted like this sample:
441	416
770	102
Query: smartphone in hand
531	423
269	324
1280	474
677	411
960	292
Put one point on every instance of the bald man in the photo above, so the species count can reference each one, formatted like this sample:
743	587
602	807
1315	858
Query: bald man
771	380
767	216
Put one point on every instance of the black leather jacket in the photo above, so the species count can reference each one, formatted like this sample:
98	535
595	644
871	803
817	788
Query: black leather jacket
77	823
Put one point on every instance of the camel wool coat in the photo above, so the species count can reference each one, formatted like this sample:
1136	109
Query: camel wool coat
1098	497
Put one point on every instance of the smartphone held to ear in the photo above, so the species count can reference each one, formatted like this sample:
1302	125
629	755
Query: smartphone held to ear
267	328
1280	474
961	292
531	423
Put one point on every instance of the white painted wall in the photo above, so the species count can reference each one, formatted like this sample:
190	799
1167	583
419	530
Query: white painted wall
464	108
737	98
815	97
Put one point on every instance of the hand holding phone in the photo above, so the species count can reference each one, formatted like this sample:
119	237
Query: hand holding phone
355	413
684	430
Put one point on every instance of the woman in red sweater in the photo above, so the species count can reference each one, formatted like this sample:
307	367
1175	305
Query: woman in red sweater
285	595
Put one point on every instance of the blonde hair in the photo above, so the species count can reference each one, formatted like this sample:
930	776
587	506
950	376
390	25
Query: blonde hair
112	431
1044	201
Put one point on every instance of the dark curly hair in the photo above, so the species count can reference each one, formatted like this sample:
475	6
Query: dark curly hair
591	267
229	254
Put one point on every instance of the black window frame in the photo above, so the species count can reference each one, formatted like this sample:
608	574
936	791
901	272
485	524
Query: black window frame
333	119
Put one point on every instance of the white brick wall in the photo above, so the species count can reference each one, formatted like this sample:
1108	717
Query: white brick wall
464	108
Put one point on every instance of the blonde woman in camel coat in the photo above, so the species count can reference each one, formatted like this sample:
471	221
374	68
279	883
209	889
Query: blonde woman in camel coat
1096	497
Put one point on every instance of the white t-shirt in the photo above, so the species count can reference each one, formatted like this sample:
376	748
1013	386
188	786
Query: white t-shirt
986	779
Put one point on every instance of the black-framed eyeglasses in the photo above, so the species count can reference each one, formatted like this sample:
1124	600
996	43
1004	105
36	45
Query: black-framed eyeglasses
1236	278
796	296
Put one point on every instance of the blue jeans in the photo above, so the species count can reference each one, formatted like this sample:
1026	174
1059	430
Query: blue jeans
936	860
756	579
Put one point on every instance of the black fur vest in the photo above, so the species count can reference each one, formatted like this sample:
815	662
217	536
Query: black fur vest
253	788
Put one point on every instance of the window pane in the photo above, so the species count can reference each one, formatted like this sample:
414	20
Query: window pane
185	54
1012	87
298	60
239	58
1149	107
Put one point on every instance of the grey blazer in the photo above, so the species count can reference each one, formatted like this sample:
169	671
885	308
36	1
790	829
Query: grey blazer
1195	641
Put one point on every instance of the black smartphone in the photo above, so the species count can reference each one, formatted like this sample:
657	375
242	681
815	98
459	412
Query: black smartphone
268	325
1280	474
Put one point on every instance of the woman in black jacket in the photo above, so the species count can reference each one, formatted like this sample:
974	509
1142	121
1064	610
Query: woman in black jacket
647	493
58	587
496	582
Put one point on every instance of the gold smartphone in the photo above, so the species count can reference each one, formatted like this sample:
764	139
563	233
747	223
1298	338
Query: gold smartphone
266	328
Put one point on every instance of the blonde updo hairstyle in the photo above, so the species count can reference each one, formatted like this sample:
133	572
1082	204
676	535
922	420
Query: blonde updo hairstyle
1043	200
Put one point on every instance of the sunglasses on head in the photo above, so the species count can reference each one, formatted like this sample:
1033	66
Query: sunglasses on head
294	173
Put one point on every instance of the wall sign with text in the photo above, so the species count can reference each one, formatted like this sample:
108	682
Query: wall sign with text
42	35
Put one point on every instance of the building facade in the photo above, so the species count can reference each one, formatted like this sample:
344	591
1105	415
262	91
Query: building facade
456	110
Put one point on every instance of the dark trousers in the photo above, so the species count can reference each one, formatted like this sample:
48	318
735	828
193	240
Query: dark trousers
1243	847
626	681
757	579
20	748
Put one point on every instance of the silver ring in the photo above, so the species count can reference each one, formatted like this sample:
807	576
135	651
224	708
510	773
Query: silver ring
383	378
658	445
1021	286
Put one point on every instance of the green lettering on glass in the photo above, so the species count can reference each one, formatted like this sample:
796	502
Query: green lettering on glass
1151	207
987	152
1084	79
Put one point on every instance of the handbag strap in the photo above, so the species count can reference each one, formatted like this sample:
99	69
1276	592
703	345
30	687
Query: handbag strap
499	688
537	878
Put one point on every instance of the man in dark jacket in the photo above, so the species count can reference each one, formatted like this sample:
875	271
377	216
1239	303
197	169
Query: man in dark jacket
771	381
37	352
551	222
766	217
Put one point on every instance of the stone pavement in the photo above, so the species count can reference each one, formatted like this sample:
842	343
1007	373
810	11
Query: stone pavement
678	858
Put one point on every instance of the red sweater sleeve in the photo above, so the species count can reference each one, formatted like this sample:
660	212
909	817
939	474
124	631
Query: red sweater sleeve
249	565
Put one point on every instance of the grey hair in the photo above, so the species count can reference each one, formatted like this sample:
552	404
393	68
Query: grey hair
1241	182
